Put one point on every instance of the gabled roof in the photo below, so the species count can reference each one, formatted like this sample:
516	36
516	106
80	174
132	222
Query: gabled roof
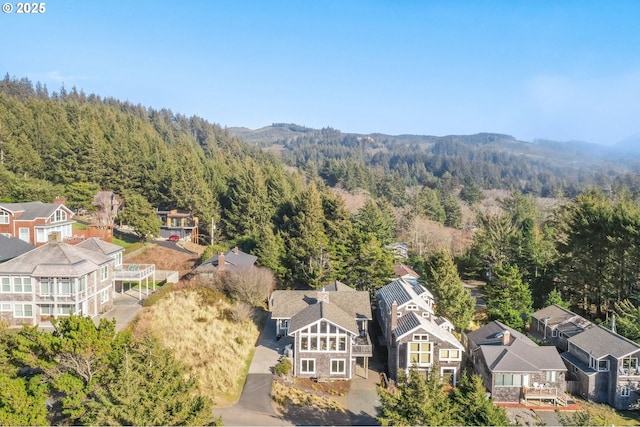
55	259
34	210
403	292
562	319
98	245
234	257
411	323
520	354
338	286
323	310
401	270
491	334
11	247
599	342
286	304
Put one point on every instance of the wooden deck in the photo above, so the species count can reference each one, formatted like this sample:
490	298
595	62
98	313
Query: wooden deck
545	395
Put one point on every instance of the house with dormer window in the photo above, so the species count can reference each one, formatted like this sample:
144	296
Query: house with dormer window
36	222
328	329
413	334
602	365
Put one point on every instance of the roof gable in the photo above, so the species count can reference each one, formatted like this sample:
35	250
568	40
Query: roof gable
323	311
600	342
404	292
411	323
98	245
35	210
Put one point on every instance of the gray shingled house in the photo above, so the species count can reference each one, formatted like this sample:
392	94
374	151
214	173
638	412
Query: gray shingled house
329	329
514	368
57	279
413	335
602	365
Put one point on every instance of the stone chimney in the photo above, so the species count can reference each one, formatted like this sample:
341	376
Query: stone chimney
506	337
221	261
393	322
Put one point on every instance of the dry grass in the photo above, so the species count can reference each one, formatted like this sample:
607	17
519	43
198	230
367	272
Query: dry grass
284	395
198	330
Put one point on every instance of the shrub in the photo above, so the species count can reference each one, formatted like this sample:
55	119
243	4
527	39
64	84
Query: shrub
283	367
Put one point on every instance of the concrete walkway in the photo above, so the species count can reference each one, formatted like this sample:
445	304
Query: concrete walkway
126	307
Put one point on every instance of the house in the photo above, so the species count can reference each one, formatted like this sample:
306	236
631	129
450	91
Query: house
181	224
513	368
328	328
11	247
233	259
399	250
35	222
602	365
403	271
57	279
413	335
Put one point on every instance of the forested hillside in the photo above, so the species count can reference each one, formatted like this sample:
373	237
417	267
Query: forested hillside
378	163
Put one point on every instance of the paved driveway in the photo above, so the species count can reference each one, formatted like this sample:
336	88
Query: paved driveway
126	307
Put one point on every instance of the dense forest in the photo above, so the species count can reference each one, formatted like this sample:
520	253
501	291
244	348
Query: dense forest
378	163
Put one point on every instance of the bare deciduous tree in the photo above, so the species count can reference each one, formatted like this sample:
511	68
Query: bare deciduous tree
108	204
250	285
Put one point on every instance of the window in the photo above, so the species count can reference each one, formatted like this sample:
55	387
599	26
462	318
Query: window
450	354
338	366
4	217
420	337
24	234
508	380
104	296
65	309
59	215
45	310
625	391
47	286
22	310
599	365
6	285
307	366
412	307
5	306
118	258
64	286
551	376
22	285
420	353
104	273
323	336
631	363
448	375
554	333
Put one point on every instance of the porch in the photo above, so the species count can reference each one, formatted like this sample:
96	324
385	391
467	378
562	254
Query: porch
544	394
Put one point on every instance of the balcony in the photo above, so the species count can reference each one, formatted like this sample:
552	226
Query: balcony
361	346
131	272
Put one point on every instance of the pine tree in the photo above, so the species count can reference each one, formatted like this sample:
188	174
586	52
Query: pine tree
508	297
472	406
453	300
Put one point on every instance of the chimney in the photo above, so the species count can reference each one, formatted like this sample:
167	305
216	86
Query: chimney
59	200
236	250
54	237
323	296
506	337
221	261
394	316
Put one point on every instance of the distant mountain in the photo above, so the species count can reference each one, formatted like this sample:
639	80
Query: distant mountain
492	160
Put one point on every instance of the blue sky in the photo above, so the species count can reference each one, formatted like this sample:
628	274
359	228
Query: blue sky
563	70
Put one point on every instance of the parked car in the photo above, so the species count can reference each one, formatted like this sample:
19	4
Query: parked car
174	238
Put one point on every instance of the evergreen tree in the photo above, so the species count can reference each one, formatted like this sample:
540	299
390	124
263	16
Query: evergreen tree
628	320
147	386
415	401
555	297
140	215
508	297
471	405
453	300
369	265
376	219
